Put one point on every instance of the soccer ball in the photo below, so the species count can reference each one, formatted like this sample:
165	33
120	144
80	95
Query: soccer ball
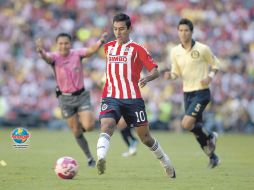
66	167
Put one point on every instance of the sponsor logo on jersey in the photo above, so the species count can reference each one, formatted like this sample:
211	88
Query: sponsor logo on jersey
117	59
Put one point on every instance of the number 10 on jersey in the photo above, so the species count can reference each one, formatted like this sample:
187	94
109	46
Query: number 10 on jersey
140	116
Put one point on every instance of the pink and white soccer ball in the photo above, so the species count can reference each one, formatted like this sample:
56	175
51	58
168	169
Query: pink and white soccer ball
66	167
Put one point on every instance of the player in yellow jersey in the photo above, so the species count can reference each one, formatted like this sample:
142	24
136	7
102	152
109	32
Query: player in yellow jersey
196	65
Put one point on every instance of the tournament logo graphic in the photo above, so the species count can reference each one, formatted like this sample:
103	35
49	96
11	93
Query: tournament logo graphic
20	137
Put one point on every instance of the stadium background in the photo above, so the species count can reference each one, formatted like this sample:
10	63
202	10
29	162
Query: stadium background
27	83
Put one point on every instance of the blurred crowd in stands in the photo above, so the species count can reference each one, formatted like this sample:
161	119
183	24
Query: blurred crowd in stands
27	85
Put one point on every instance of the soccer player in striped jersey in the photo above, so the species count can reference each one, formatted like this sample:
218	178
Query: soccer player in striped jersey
74	100
191	60
126	133
121	96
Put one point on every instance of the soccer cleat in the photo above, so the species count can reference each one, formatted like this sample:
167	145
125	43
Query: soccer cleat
168	168
131	152
91	163
134	143
126	154
214	161
211	144
132	149
101	166
170	172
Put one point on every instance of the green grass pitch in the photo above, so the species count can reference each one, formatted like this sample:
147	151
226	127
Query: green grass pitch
32	168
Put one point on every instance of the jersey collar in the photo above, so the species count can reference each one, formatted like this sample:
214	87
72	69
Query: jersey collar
125	44
193	42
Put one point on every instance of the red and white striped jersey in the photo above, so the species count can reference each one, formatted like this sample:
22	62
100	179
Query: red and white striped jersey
124	64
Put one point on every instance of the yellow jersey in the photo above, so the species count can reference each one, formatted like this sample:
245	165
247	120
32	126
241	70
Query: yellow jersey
193	65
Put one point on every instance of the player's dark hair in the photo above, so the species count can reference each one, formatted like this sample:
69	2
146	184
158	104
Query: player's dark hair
64	35
187	22
123	17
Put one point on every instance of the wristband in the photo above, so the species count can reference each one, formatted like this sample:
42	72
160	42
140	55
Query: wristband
211	74
99	42
173	76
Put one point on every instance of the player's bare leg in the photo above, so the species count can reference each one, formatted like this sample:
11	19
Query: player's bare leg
87	120
154	146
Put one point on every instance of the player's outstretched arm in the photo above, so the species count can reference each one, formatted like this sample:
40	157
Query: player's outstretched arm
154	74
95	47
41	51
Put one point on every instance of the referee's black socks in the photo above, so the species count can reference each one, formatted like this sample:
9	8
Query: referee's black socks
82	142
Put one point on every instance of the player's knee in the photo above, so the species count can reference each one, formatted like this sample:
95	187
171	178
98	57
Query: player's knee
90	126
184	124
187	125
108	128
